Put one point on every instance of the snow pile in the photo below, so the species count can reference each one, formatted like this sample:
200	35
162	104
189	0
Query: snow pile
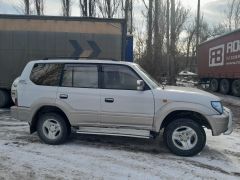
23	156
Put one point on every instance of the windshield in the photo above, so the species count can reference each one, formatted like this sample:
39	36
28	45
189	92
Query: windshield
147	77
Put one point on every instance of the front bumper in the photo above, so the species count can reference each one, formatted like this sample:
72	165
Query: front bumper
221	123
230	120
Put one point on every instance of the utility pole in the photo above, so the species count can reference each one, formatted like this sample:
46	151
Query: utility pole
149	31
198	24
197	30
156	41
168	27
126	27
131	16
172	45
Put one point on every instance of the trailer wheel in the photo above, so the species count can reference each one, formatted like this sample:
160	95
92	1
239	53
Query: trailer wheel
4	98
224	86
236	87
214	85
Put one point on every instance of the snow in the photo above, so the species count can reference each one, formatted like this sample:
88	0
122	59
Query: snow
24	156
187	73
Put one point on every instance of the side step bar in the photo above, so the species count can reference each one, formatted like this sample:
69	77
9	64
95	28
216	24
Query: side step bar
115	132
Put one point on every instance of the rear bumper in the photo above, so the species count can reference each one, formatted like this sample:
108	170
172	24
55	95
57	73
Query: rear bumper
221	123
21	113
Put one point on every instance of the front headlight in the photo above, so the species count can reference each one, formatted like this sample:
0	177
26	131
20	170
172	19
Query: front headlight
217	105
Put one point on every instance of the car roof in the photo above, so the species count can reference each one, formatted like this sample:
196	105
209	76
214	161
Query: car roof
82	61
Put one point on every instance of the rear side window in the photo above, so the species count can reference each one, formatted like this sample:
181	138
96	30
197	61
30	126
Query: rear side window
80	76
46	74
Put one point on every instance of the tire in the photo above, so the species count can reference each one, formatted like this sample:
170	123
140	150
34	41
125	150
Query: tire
52	129
236	87
177	142
214	85
224	86
4	98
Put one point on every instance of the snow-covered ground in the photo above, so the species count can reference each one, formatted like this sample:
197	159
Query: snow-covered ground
24	156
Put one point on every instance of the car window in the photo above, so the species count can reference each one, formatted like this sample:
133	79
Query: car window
80	76
119	77
46	74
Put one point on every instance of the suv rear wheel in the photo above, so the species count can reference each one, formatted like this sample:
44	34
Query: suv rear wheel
184	137
52	129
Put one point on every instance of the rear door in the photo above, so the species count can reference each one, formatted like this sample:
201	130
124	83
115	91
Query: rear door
79	93
121	103
41	86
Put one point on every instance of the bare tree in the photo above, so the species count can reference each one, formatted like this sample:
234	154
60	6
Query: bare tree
140	46
172	43
237	15
87	7
156	42
66	7
197	24
232	14
24	7
108	8
167	36
39	6
149	29
27	6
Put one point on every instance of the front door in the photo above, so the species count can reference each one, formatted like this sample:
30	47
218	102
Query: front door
121	103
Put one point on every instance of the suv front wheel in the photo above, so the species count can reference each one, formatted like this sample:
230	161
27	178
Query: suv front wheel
52	129
185	137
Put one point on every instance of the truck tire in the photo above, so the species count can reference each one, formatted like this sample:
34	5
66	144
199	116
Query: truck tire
236	87
184	137
4	98
52	129
224	86
214	85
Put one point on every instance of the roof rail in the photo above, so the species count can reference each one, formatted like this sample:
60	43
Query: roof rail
78	58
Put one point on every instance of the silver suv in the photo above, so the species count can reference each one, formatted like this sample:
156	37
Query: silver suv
114	98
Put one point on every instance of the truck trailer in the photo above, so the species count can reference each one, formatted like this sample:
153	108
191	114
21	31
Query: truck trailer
219	63
26	38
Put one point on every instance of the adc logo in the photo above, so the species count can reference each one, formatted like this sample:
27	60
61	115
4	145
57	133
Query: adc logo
216	56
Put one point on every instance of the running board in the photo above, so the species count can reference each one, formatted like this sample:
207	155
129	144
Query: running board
115	132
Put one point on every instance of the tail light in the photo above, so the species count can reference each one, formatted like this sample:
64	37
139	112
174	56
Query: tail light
14	93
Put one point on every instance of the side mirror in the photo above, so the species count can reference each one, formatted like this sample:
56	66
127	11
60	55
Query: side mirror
140	85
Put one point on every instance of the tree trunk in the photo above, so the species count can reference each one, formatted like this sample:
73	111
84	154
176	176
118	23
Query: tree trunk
149	33
167	36
27	7
66	7
39	5
109	8
156	44
172	45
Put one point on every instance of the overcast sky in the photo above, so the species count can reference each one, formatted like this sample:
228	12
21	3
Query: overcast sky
213	10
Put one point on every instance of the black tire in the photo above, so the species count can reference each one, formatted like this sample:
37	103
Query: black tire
224	86
214	85
4	98
200	141
61	136
236	87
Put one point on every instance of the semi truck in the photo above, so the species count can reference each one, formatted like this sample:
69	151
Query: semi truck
219	63
26	38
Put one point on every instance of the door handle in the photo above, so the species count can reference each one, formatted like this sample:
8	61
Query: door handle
22	81
109	100
63	96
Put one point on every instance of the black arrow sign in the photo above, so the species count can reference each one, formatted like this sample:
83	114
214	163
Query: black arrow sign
77	48
96	50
